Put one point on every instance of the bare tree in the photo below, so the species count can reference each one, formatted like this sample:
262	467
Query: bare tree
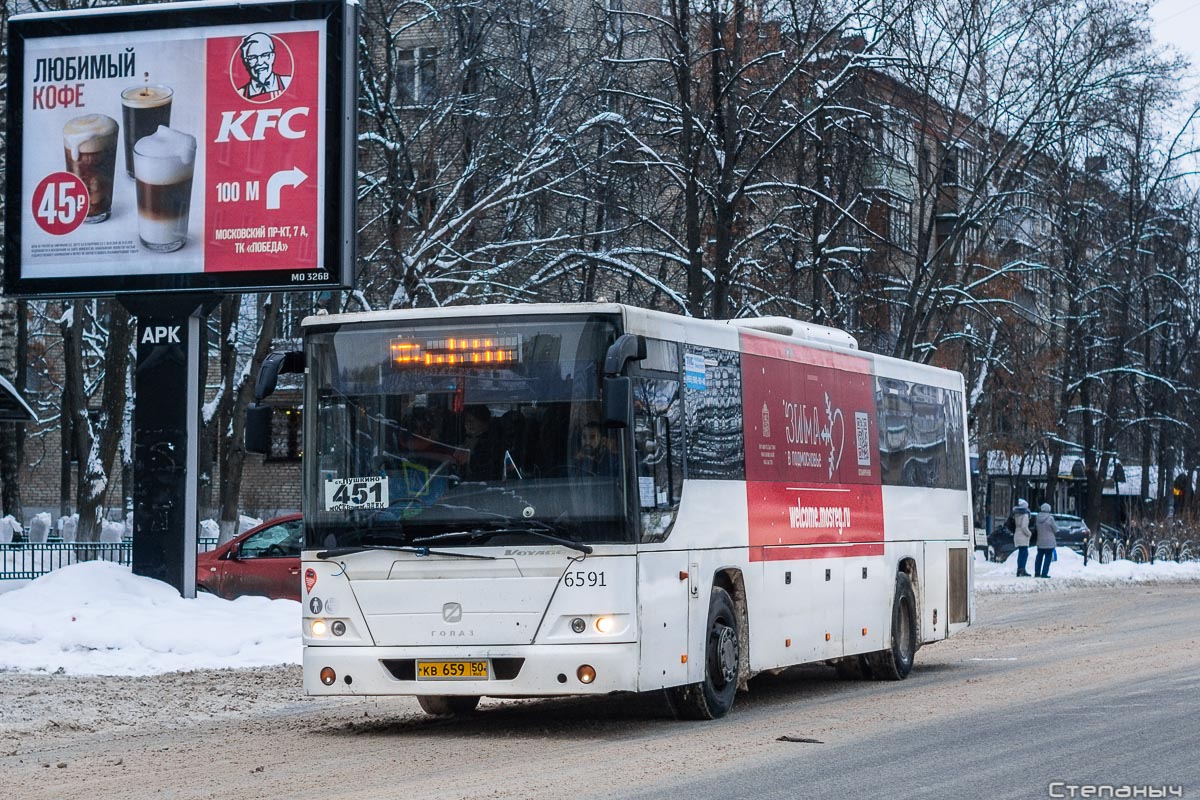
247	325
97	339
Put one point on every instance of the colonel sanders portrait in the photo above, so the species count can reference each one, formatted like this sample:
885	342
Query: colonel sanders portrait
258	56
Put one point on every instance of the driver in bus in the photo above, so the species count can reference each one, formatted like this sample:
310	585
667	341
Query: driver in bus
595	456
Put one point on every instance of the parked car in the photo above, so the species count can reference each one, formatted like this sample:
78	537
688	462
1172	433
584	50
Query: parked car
264	560
1070	532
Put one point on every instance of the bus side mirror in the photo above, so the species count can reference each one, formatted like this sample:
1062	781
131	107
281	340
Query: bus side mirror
628	347
280	361
258	429
618	402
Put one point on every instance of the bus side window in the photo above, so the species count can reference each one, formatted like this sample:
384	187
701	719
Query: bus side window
713	411
658	439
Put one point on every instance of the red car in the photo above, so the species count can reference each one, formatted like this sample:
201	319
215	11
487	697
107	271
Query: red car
262	561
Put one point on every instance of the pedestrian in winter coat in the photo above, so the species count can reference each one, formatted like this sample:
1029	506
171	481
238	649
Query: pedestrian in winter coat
1045	541
1021	534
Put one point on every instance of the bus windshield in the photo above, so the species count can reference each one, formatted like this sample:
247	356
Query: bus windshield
477	432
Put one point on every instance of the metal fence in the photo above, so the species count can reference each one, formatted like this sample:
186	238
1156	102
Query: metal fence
29	560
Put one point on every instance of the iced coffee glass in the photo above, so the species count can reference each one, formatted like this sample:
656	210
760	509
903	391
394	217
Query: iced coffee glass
90	143
163	164
143	109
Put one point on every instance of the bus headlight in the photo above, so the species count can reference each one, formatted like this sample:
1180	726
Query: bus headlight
318	628
606	624
578	625
586	673
338	627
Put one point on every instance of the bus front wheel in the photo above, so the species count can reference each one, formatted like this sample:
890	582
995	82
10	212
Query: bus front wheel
713	697
896	662
440	705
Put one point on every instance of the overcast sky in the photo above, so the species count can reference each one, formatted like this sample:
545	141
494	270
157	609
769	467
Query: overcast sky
1177	22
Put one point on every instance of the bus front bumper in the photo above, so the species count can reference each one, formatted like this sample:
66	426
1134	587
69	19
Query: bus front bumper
514	671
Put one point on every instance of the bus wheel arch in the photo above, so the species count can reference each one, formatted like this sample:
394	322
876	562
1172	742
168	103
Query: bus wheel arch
723	657
896	662
730	579
908	567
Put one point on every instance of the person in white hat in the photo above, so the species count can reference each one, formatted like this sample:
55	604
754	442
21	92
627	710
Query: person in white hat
1021	535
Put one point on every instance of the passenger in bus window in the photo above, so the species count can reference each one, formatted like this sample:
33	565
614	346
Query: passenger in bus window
428	424
595	456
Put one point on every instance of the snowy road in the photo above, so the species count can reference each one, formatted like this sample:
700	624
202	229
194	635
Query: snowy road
1087	685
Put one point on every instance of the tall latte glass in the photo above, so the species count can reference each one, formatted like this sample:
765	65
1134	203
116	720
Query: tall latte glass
90	144
143	109
163	164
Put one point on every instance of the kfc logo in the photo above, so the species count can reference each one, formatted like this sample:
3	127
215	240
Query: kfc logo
261	68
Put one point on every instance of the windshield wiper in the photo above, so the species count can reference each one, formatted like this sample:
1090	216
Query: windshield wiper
483	533
337	552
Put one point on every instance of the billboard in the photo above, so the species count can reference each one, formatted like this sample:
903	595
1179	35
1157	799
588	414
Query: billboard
181	147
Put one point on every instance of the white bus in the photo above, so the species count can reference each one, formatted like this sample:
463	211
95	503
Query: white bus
536	500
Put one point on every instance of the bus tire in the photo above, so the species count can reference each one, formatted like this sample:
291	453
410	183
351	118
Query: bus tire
713	697
443	705
896	662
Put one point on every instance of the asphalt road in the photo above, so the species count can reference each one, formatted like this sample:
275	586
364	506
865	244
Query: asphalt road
1087	686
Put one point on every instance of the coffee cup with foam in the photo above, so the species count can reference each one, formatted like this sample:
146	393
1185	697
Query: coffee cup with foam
163	165
90	145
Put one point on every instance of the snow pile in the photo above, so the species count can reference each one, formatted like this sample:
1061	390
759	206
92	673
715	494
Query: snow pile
98	618
111	532
39	527
246	523
1069	571
9	527
67	527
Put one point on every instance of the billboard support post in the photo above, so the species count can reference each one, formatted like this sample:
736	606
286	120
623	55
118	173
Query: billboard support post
171	352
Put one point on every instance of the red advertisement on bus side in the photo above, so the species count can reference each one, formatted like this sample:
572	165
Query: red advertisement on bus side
812	457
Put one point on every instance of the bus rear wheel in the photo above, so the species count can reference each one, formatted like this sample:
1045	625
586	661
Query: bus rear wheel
441	705
896	662
713	697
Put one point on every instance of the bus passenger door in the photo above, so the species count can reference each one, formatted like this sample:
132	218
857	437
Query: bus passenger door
663	600
664	583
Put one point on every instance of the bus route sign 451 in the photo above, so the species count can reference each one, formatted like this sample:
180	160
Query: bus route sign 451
345	494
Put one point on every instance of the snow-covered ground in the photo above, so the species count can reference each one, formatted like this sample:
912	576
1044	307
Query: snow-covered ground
1069	571
97	618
